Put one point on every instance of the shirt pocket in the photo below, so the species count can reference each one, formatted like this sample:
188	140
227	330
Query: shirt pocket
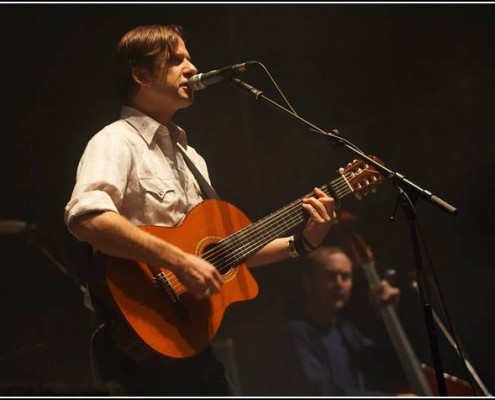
160	189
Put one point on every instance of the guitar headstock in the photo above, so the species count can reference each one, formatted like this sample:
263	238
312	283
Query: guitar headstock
362	177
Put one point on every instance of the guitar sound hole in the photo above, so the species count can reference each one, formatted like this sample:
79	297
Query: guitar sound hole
219	256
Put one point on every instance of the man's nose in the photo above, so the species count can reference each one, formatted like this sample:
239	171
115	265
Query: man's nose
191	69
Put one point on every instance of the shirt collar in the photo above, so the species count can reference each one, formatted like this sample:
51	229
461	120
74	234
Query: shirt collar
148	127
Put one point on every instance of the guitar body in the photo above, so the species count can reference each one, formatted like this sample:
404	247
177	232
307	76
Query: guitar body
165	316
149	310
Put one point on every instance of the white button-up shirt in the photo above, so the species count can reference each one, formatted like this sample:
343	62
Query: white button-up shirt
133	167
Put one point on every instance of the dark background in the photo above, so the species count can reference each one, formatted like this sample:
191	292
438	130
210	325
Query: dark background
413	84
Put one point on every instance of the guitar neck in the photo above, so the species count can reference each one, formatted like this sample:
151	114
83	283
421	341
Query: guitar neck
240	245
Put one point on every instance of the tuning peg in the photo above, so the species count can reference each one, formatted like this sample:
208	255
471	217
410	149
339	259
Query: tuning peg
390	273
391	276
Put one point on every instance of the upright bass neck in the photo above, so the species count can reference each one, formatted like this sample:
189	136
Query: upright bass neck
405	352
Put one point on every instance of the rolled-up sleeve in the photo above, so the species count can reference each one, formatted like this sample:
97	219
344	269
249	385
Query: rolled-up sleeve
87	202
101	176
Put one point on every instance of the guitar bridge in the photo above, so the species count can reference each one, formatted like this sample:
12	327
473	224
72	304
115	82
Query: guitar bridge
162	281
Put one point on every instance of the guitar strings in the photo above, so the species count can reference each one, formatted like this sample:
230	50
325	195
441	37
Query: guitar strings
227	259
339	184
267	225
281	214
250	230
224	258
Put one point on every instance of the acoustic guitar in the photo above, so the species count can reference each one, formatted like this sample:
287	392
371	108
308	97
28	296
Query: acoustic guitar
158	308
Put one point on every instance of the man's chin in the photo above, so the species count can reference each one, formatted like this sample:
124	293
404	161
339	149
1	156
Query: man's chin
187	101
339	304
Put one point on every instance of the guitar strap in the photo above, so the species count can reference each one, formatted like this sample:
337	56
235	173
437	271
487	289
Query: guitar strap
206	189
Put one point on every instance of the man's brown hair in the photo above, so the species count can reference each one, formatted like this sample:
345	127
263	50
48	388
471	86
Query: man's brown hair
143	46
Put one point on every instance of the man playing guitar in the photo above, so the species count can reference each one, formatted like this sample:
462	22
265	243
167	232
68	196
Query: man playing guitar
132	176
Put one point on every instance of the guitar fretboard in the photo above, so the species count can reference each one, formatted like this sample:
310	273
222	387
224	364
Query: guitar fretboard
237	247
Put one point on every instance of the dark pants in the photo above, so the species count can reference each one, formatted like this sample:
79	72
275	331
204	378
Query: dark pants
202	375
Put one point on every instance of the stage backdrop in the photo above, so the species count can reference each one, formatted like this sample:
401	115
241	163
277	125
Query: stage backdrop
412	84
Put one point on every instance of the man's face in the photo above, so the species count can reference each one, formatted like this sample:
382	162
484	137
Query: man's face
330	282
169	80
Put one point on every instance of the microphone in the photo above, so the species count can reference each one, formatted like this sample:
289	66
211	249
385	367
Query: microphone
203	80
15	227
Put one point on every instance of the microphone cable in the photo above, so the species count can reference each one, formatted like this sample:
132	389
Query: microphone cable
334	133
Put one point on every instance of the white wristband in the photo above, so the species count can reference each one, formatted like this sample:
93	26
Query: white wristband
292	249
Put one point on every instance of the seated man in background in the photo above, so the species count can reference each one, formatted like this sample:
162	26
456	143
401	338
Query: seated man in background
332	351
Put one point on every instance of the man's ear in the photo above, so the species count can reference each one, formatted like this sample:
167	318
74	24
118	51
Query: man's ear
140	75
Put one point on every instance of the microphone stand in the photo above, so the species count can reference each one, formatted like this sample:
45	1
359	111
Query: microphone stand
453	344
31	241
407	191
